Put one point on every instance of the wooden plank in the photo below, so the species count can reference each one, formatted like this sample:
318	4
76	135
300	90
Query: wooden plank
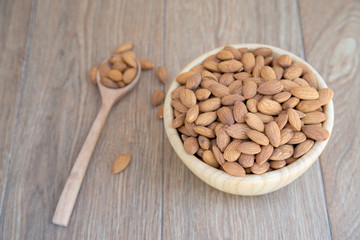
57	109
14	32
194	210
332	47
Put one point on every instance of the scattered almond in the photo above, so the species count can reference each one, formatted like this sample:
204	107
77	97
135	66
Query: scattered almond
157	97
120	163
162	74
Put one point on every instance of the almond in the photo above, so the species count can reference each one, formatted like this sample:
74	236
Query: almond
146	64
193	81
232	152
178	121
191	145
246	160
283	152
234	169
242	75
183	130
210	105
259	63
249	148
290	160
315	132
93	73
157	97
115	59
176	93
325	96
272	131
129	75
160	112
288	85
282	97
284	61
206	118
213	125
104	69
225	115
269	107
263	51
308	105
251	104
293	72
230	66
206	83
254	122
311	79
264	118
304	92
281	120
115	75
224	55
120	163
124	47
211	66
257	137
294	119
226	79
130	61
303	148
219	90
270	87
208	75
108	83
298	137
239	112
291	103
162	74
192	113
238	131
268	74
279	71
231	99
264	154
218	155
277	164
305	68
248	61
207	132
190	128
204	142
178	106
183	77
222	139
260	169
234	51
202	94
197	69
268	61
236	87
249	89
129	53
301	82
286	135
187	97
314	117
121	66
209	159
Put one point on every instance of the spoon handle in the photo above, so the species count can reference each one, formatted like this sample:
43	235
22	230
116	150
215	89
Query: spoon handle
72	186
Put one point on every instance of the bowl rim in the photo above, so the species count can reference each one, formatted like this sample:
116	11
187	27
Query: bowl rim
304	162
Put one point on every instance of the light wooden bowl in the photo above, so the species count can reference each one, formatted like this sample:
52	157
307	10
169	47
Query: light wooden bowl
249	185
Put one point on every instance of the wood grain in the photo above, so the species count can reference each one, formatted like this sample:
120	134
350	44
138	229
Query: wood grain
194	210
332	46
59	104
14	31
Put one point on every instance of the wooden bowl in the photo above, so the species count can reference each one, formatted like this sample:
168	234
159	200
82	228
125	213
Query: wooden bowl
249	185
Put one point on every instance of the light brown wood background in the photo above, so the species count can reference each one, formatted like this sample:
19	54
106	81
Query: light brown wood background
47	105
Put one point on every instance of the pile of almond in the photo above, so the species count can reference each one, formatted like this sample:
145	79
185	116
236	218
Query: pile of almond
121	68
248	112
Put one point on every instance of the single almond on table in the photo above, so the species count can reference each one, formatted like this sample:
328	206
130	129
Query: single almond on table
160	112
162	74
146	64
120	163
157	97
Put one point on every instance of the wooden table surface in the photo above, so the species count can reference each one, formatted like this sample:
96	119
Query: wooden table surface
47	105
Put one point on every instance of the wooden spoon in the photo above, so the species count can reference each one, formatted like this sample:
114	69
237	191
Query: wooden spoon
109	97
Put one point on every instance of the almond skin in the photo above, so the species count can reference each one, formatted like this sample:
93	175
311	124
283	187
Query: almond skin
120	163
258	137
269	107
272	131
191	145
264	154
304	92
270	87
234	169
239	112
254	122
187	97
225	115
248	60
157	97
202	94
211	104
325	96
249	148
315	132
162	74
230	66
249	89
268	74
206	118
303	148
